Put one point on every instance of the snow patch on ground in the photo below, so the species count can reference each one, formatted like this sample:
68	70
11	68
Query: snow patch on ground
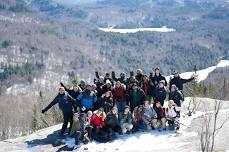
203	74
162	29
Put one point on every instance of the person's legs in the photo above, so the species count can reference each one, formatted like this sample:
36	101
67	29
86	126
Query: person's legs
124	130
163	123
70	119
65	123
154	123
77	137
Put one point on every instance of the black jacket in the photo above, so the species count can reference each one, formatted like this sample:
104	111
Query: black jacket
72	93
112	120
179	82
160	95
64	101
156	79
177	97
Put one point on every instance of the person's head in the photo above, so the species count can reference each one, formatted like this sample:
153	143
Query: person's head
176	74
158	104
76	89
132	79
145	78
140	108
93	87
171	103
82	84
82	116
107	75
135	87
126	109
157	71
101	79
89	114
108	83
173	88
122	75
100	111
162	84
139	72
114	110
61	90
118	84
146	103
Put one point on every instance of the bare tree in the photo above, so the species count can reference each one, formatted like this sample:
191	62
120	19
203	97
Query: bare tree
211	126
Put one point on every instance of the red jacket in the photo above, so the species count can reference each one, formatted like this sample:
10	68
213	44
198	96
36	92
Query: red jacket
97	121
119	94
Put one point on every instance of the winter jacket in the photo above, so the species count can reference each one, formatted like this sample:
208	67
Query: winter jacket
145	86
119	94
107	103
156	79
138	77
160	112
87	99
97	121
179	82
64	101
177	97
125	118
160	95
137	97
99	89
111	119
171	112
149	112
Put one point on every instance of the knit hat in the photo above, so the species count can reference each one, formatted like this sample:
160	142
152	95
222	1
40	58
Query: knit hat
126	107
174	86
157	68
162	81
139	71
101	109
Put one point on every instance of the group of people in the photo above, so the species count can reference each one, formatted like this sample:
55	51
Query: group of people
114	106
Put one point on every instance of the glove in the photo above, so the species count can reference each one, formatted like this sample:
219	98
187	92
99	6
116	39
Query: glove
43	111
83	108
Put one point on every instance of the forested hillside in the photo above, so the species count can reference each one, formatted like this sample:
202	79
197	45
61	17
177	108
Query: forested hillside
43	42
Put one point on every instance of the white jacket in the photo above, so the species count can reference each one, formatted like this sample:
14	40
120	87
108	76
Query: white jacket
170	112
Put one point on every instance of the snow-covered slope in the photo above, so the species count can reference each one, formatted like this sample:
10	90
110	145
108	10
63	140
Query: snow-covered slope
203	74
166	141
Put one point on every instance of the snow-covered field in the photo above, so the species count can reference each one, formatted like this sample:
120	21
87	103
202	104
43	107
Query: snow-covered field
162	29
166	141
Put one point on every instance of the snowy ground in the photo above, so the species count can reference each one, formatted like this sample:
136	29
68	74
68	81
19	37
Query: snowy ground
187	140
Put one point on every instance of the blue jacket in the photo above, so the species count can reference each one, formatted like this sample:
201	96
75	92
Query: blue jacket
87	101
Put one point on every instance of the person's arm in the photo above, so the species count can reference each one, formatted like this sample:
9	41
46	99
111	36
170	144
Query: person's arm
62	85
113	76
165	81
55	101
187	80
97	74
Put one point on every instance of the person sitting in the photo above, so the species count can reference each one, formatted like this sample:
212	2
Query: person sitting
177	97
112	123
171	116
97	122
138	119
161	120
126	120
149	116
87	98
